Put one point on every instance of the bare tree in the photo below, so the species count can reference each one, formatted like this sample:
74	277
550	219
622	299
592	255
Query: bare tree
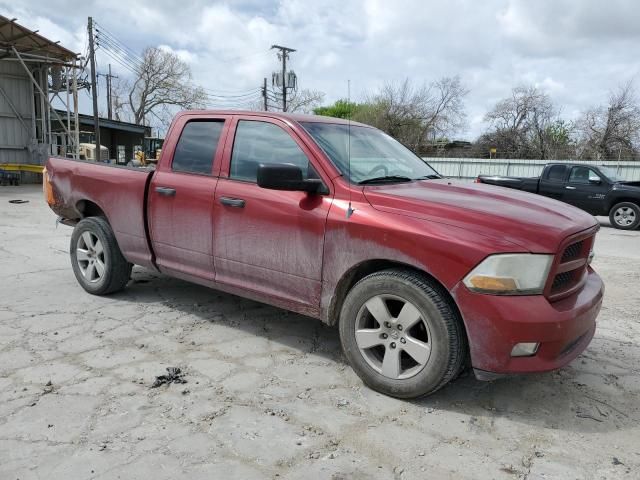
161	81
120	88
414	115
525	125
299	101
608	131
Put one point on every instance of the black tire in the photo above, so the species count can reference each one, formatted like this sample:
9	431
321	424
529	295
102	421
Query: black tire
116	271
446	332
620	214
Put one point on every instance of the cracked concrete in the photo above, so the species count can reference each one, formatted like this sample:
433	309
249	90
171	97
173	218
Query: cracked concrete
268	392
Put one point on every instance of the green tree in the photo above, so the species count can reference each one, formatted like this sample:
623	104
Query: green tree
340	109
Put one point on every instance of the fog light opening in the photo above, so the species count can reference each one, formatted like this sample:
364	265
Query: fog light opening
524	349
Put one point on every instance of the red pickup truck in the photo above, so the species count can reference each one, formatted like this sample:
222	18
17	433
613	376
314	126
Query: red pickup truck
340	222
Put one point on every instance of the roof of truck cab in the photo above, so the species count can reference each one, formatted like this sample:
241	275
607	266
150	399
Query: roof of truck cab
296	117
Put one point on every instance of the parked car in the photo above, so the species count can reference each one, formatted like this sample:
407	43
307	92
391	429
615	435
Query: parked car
594	189
340	222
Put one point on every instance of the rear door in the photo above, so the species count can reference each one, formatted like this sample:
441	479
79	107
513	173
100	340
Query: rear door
269	241
586	189
181	197
553	181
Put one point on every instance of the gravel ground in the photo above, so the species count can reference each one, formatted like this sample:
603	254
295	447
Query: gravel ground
268	393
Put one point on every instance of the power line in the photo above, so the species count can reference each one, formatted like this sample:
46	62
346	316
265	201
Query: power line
113	50
116	40
252	94
115	58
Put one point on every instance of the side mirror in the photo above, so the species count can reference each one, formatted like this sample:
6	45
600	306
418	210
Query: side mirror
285	176
594	181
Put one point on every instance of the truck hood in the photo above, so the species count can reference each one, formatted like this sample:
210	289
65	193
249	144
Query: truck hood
532	222
633	186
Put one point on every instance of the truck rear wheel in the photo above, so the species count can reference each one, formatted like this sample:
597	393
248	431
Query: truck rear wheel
96	259
625	216
401	334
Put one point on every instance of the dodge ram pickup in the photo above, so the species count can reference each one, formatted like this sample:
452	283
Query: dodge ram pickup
594	189
338	221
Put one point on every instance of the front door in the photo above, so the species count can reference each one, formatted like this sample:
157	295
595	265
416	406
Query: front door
585	189
269	241
181	199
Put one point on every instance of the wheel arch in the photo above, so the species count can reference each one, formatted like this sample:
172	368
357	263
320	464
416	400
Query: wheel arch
367	267
622	199
87	208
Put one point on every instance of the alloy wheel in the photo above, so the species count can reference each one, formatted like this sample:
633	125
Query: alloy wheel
624	216
90	257
393	336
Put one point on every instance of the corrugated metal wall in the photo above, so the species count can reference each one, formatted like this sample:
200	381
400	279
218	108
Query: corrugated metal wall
468	168
14	137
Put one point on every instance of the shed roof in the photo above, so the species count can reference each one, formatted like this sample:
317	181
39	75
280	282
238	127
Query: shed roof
87	120
29	42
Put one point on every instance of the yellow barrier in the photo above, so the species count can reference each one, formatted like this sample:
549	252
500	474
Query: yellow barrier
21	167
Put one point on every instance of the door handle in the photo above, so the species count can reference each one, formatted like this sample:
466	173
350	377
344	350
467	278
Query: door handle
569	187
232	202
166	191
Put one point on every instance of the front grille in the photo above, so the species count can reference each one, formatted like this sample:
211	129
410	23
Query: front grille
561	281
572	252
569	269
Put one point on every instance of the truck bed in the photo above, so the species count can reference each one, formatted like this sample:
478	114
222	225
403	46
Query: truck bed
118	191
526	184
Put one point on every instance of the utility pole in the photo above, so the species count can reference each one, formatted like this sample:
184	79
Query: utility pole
264	95
283	56
94	88
108	76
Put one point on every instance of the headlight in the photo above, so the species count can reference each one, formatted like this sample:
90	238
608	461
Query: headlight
510	274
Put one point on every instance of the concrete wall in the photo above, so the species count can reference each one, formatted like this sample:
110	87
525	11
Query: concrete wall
469	168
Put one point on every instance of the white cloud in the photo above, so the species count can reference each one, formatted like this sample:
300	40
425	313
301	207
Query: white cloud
576	50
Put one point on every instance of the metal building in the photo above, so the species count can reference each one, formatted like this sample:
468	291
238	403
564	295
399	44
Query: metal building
33	72
122	139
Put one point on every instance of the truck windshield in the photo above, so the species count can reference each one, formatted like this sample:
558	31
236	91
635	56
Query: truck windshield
375	156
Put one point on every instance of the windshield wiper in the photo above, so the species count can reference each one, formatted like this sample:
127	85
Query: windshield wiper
429	177
386	179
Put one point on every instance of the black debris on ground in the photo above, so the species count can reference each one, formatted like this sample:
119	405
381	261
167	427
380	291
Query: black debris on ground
48	388
18	201
174	375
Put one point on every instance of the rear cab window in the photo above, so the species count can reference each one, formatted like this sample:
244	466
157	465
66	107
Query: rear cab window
197	147
556	173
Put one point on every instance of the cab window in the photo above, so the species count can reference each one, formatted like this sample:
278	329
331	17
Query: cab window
556	173
197	146
583	175
259	142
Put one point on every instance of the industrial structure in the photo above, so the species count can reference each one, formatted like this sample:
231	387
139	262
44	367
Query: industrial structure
121	139
35	73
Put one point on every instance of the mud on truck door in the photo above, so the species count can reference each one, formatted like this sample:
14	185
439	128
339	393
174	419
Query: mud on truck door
270	241
181	197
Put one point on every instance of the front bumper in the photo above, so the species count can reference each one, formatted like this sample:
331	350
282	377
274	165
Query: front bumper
496	323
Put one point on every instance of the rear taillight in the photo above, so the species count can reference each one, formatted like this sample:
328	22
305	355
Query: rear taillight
47	189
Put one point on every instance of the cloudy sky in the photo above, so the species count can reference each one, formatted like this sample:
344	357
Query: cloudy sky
575	50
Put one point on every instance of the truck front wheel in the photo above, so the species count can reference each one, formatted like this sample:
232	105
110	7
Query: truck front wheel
401	334
96	259
625	216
